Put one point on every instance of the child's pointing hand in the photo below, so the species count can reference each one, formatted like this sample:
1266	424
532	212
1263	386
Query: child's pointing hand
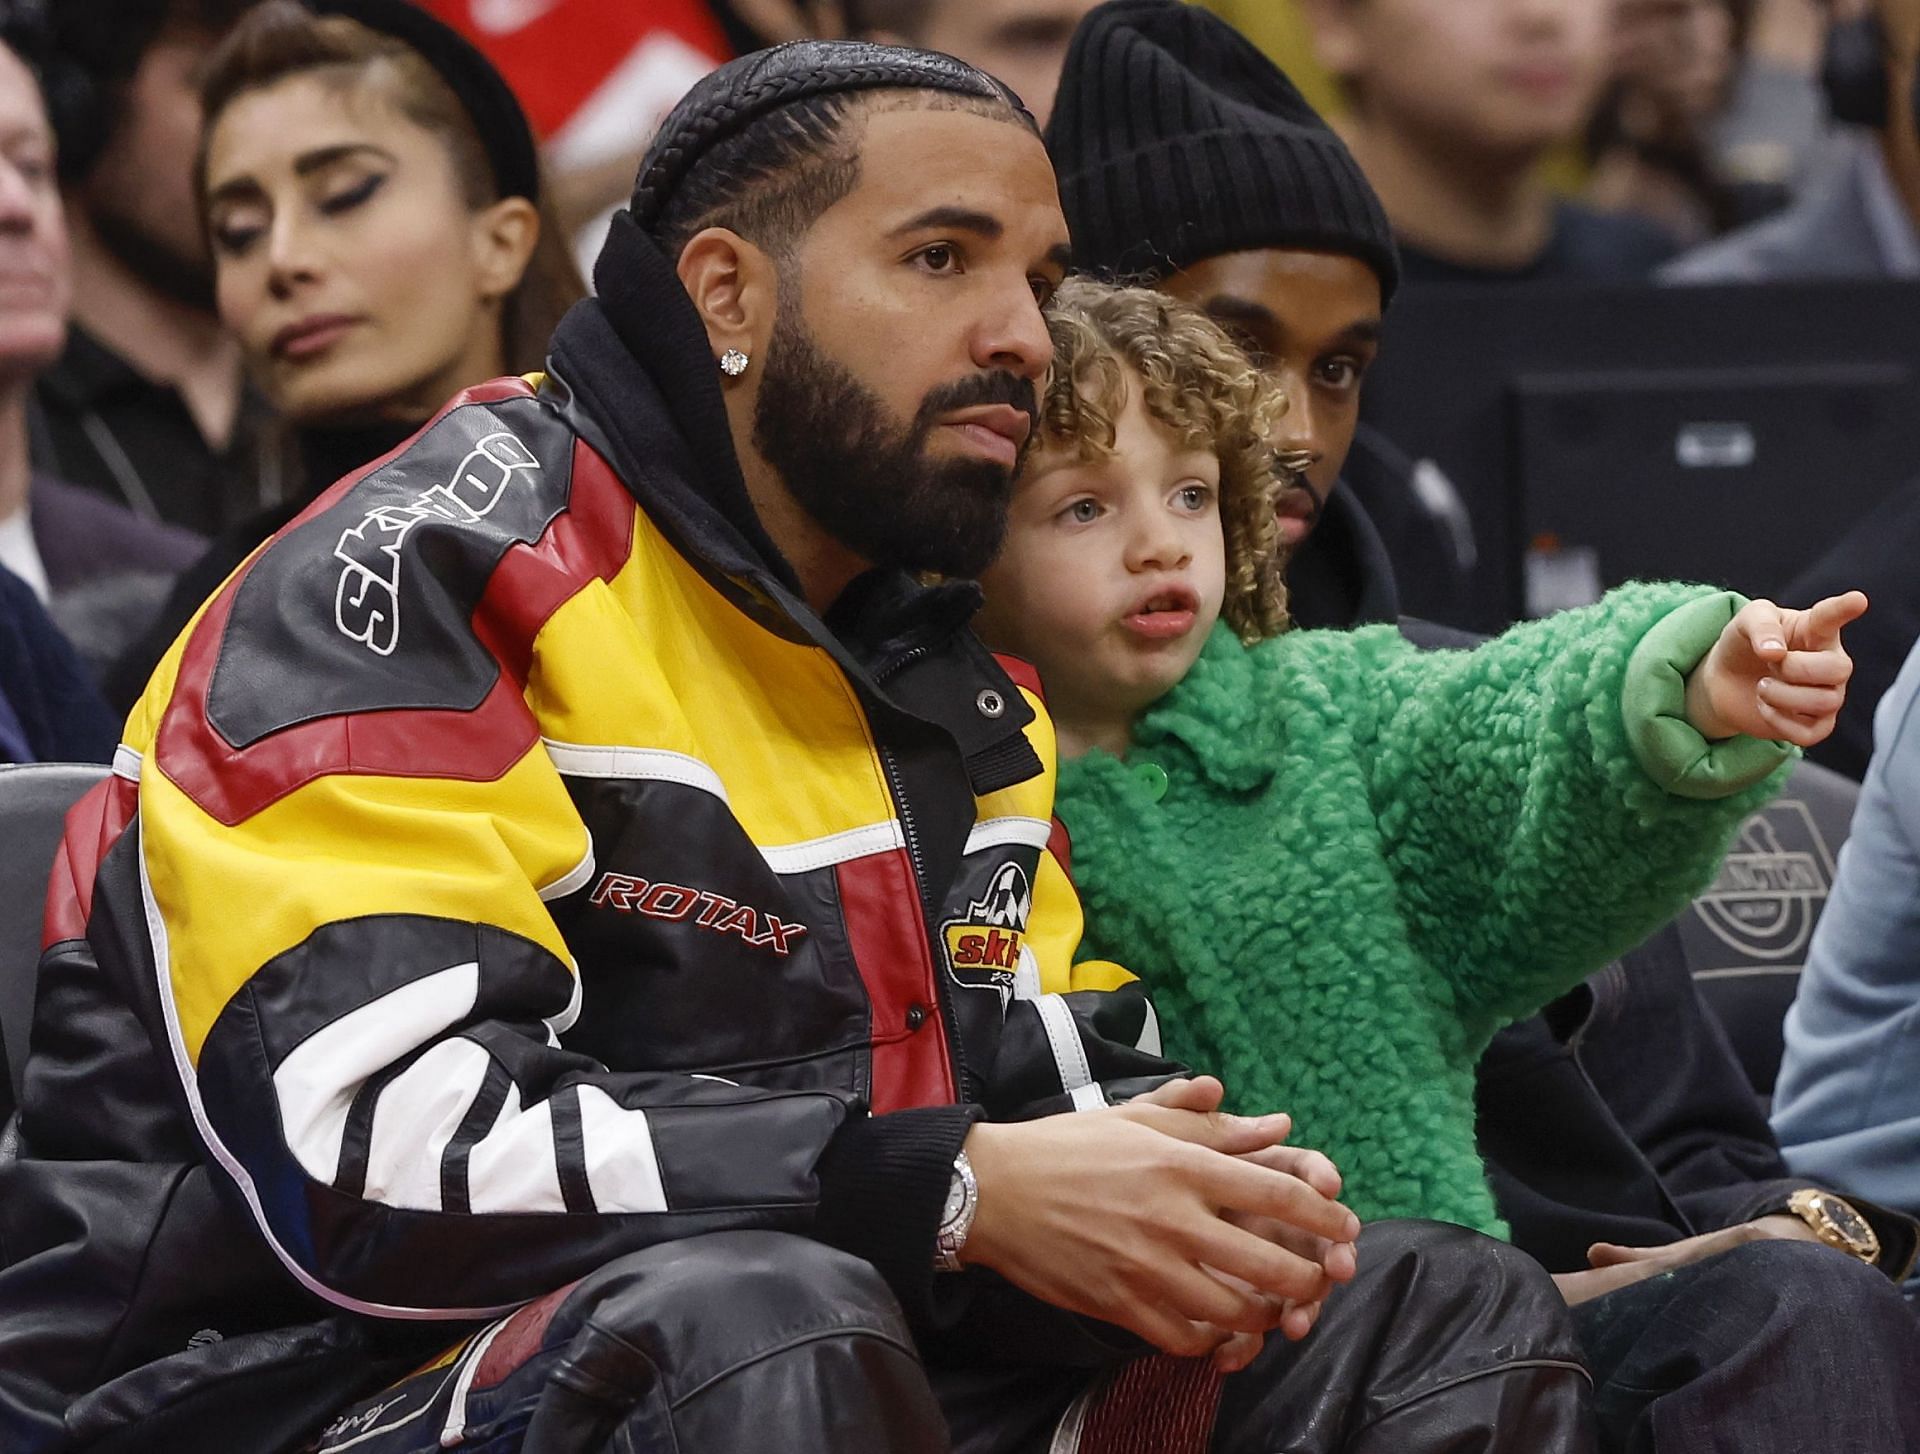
1776	672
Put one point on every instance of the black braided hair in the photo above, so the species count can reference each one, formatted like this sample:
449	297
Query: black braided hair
755	145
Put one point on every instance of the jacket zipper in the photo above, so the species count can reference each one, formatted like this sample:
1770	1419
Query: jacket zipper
948	1019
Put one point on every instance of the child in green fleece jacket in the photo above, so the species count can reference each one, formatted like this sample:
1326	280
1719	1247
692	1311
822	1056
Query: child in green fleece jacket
1342	863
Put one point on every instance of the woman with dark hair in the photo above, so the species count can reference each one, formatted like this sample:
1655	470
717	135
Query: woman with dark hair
371	193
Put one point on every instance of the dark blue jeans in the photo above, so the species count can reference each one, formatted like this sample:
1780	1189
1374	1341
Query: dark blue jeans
1774	1346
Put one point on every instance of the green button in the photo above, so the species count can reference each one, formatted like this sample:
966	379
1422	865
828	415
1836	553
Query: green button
1153	779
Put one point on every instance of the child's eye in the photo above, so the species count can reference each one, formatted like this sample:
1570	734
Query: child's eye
1195	497
1082	512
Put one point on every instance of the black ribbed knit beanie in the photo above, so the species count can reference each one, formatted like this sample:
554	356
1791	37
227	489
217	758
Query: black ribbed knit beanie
1176	139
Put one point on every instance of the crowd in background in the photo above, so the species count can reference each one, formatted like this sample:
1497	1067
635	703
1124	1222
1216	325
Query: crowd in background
155	434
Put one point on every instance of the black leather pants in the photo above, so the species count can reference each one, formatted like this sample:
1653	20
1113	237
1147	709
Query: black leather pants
1446	1340
753	1340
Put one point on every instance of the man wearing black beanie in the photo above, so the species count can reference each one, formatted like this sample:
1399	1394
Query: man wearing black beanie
1187	160
580	883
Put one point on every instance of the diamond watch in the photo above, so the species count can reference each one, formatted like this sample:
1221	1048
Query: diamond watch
963	1199
1836	1223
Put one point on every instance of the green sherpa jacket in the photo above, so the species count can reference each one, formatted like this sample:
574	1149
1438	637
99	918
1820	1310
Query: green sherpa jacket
1340	864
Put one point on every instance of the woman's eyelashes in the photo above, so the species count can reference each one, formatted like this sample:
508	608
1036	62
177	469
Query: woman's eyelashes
236	232
347	198
233	236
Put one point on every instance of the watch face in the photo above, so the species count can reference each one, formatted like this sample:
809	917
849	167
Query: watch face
1846	1221
956	1199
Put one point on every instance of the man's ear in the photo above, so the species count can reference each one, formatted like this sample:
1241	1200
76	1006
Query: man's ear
734	287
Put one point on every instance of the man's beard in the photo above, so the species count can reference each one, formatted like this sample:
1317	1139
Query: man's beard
865	478
154	260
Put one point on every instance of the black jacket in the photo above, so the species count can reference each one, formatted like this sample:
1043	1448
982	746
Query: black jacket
1621	1114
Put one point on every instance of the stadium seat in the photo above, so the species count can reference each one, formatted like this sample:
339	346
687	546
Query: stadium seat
34	800
1746	937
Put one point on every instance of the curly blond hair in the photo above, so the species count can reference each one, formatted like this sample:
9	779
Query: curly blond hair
1198	382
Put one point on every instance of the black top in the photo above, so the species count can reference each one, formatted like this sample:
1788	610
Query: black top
100	423
1340	576
1585	246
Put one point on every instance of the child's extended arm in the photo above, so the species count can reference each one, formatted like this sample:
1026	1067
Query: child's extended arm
1549	799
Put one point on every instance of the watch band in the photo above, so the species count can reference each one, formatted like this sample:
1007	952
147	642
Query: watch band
963	1199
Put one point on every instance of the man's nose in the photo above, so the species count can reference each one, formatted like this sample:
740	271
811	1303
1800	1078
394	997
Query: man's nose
1298	429
1014	337
17	200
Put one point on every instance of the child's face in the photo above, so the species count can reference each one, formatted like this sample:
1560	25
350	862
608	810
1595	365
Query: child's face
1113	569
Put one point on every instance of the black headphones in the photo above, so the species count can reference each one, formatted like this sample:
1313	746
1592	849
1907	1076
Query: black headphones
1853	73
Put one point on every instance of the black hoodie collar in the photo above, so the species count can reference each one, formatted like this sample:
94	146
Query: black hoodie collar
633	370
1340	577
639	359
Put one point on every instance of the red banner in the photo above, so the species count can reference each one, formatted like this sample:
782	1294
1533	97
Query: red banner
595	76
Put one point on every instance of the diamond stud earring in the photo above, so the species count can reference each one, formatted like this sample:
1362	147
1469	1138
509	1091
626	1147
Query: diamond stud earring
733	363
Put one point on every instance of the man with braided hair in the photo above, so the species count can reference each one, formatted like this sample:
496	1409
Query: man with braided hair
575	956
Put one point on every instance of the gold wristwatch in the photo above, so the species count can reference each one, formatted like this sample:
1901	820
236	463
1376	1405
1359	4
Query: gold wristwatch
1836	1223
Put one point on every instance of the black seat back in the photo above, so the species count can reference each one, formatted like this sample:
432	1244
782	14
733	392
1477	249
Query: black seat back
34	799
1746	937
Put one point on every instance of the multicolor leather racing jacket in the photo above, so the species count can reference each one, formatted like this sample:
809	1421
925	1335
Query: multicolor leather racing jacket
507	871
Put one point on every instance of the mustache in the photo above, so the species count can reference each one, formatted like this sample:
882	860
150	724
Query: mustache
996	386
1291	466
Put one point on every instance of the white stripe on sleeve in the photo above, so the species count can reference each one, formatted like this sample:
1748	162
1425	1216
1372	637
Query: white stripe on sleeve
512	1168
414	1119
317	1082
622	1167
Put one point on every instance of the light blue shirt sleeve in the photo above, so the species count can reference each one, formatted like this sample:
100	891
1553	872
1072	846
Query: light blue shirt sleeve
1847	1104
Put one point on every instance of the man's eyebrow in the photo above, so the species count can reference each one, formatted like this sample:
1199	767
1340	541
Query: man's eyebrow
1060	255
304	165
1366	330
964	219
1225	308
